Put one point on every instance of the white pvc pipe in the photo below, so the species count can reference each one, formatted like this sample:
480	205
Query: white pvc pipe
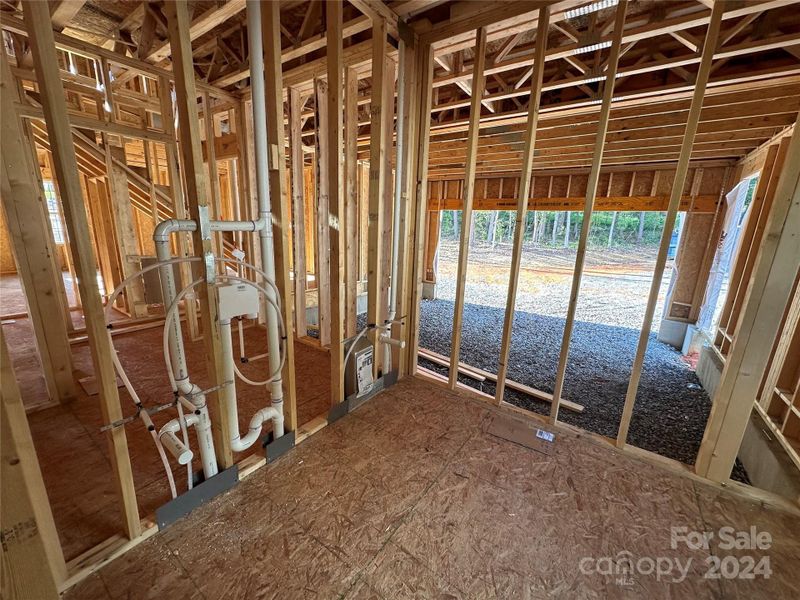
239	443
172	310
176	447
228	390
179	371
200	418
254	36
185	439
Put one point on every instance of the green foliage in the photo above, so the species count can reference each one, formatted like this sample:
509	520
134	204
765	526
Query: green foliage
626	227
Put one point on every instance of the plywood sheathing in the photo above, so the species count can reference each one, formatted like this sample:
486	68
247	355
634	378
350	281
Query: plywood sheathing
408	497
71	449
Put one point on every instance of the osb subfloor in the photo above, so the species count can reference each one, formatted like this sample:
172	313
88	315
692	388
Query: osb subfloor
409	497
74	453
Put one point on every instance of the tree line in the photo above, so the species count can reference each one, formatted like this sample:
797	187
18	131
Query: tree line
557	228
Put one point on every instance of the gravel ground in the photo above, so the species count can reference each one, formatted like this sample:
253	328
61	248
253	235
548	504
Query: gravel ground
671	408
613	290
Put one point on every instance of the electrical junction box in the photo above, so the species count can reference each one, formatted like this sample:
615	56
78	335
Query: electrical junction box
237	299
358	370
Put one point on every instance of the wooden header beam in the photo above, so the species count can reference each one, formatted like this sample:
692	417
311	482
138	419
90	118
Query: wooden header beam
696	204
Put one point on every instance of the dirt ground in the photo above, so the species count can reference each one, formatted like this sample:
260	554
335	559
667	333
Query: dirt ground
614	288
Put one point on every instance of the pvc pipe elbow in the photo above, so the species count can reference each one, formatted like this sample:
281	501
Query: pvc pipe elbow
174	426
186	387
387	339
163	230
266	414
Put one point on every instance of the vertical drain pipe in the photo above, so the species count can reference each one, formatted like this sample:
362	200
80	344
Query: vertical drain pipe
256	48
386	337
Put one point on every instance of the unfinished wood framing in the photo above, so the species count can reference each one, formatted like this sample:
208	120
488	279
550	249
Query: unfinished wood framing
750	242
298	204
25	216
377	187
419	199
281	209
591	193
779	399
351	236
709	46
404	176
198	200
478	82
322	185
52	96
178	201
126	242
522	199
32	561
402	118
770	291
336	199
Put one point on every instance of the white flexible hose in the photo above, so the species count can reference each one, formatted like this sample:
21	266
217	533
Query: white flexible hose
185	436
385	326
241	339
246	380
165	462
129	386
148	422
126	282
173	309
